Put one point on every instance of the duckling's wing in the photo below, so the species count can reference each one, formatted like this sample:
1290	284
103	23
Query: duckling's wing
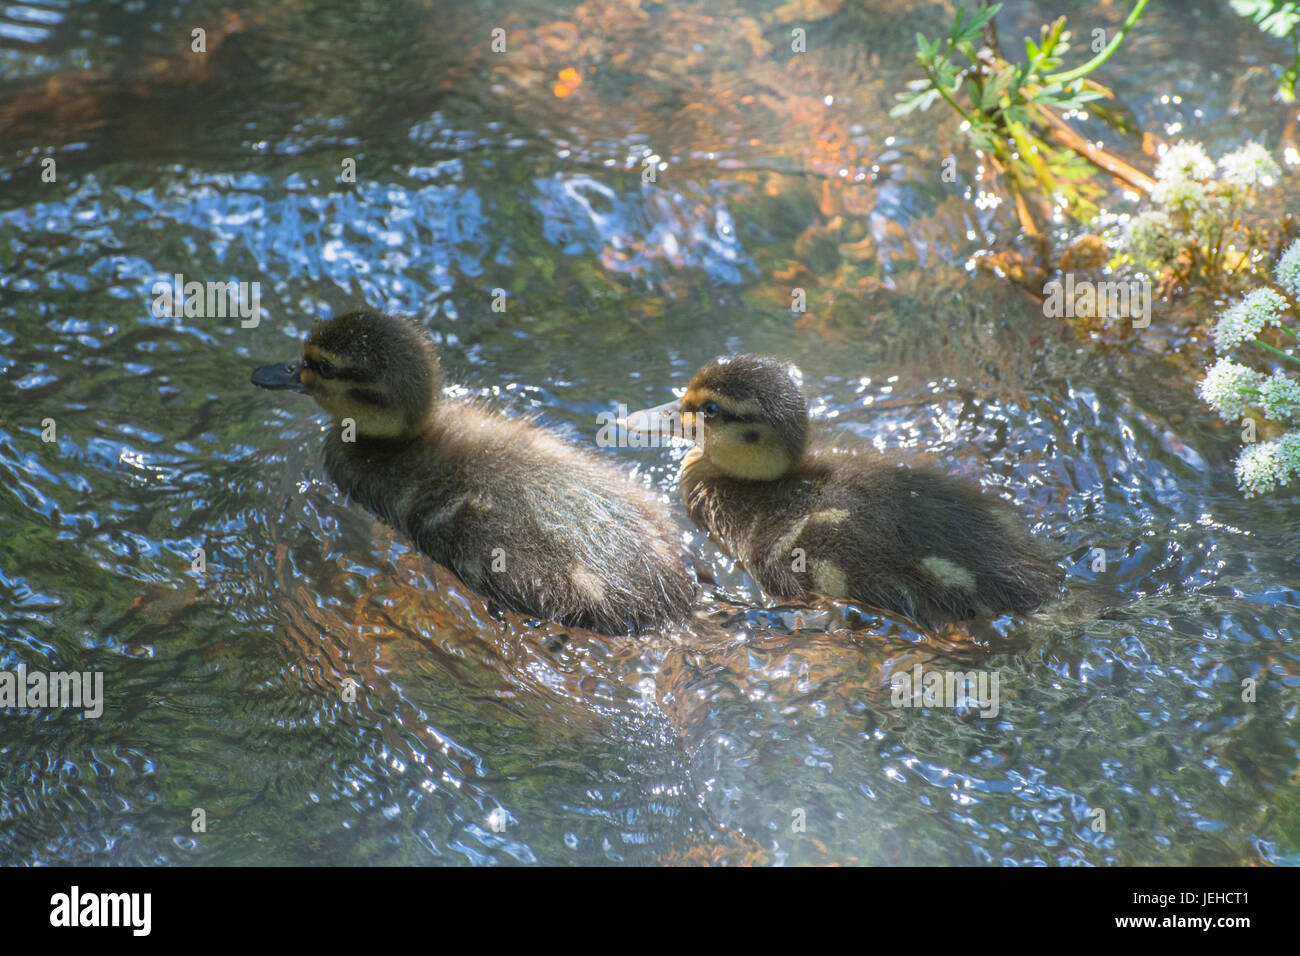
923	544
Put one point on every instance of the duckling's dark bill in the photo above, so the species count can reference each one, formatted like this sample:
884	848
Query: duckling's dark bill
280	375
662	421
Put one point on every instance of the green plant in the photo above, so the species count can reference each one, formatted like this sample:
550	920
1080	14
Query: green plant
1015	113
1279	18
1268	401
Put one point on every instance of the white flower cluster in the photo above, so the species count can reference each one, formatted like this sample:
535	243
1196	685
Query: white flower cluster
1186	195
1231	388
1249	166
1150	235
1245	320
1184	161
1279	396
1228	388
1269	465
1197	206
1288	270
1182	178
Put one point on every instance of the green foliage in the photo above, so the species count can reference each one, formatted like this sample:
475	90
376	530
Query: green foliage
1279	18
1008	107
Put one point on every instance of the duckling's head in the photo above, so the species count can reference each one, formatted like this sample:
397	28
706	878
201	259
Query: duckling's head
746	414
380	371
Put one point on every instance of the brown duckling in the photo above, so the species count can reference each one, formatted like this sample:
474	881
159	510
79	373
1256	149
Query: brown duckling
517	514
914	542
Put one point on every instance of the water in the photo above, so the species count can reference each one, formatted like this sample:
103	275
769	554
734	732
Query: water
751	736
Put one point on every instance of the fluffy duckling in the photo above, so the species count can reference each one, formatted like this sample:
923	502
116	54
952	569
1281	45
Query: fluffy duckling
518	515
912	542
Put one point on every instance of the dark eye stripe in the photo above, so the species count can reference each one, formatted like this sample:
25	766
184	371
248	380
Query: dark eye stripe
726	416
351	374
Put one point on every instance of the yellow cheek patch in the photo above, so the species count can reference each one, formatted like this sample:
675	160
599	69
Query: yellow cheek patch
740	459
333	397
1011	524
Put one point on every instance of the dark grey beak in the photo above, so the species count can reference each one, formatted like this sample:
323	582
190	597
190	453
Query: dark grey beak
280	375
663	421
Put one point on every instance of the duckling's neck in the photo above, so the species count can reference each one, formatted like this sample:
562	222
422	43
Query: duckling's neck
730	506
388	424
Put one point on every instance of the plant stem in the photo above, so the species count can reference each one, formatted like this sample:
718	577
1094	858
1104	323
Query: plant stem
1067	137
1071	75
1285	355
944	93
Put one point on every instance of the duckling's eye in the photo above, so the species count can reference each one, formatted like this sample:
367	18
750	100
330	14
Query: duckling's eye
709	409
325	369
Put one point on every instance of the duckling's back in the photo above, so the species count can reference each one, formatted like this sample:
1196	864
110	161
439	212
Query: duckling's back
537	525
937	548
912	541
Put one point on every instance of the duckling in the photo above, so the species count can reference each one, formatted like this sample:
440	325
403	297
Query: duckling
802	521
515	513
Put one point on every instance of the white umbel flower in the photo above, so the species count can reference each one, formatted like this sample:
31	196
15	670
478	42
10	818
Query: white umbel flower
1246	319
1222	388
1150	236
1279	396
1288	270
1269	465
1249	166
1184	194
1184	161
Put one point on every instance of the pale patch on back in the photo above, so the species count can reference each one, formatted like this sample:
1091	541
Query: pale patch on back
1011	525
949	573
781	549
586	582
828	578
829	516
446	512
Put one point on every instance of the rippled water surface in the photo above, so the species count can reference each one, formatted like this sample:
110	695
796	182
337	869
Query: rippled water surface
478	737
